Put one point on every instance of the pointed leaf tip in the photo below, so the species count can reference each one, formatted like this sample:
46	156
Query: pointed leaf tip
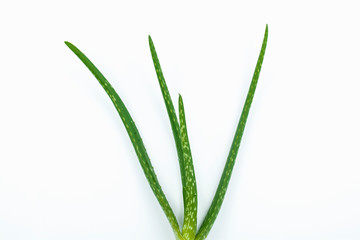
150	39
71	46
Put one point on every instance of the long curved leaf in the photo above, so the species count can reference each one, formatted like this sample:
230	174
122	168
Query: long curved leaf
134	137
174	124
170	109
226	175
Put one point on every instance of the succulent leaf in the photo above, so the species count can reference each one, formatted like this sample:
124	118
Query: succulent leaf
185	160
229	165
190	215
135	139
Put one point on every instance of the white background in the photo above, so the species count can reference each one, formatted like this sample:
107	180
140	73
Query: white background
67	167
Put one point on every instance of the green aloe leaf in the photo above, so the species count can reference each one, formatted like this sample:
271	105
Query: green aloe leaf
226	175
135	139
187	177
170	109
190	216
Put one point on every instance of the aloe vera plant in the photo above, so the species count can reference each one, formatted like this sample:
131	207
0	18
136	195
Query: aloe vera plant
189	230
